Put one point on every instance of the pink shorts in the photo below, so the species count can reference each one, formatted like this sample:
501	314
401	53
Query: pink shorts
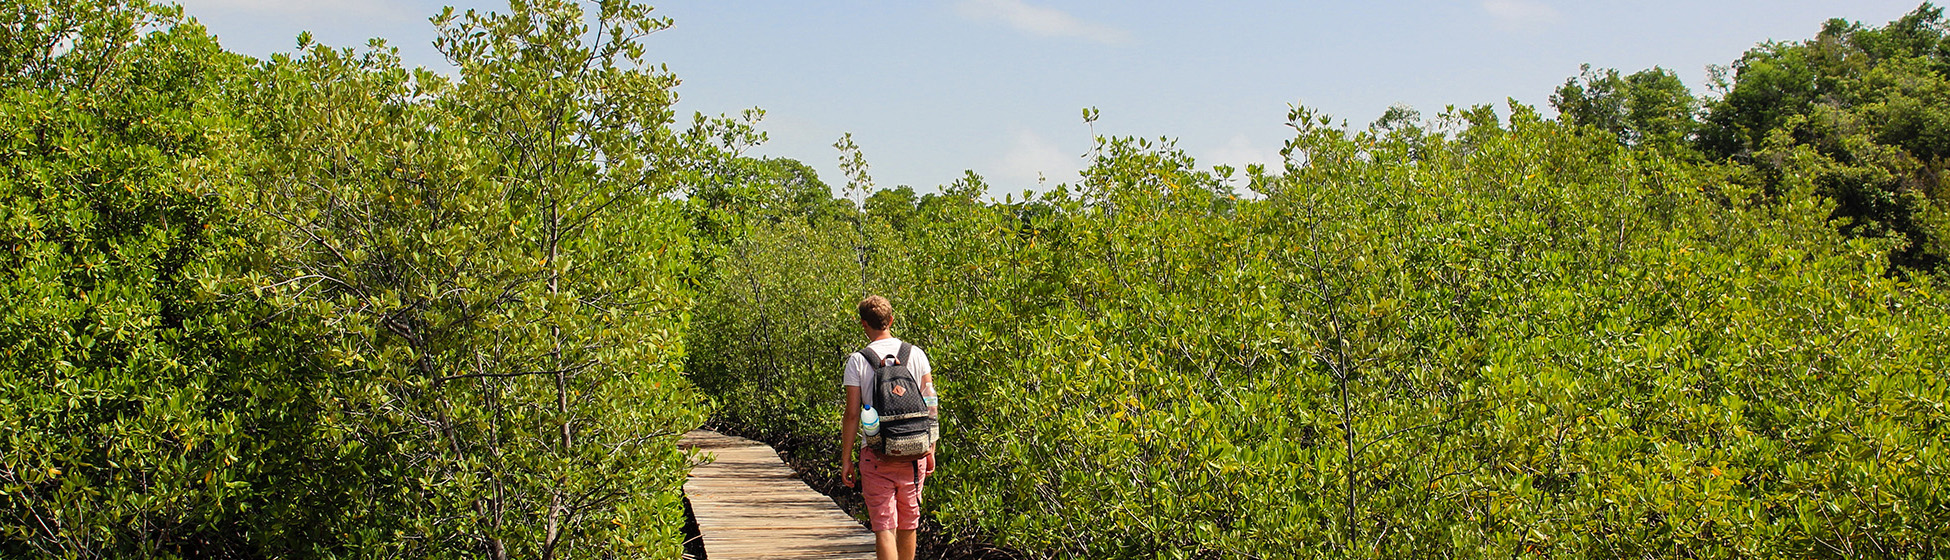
893	490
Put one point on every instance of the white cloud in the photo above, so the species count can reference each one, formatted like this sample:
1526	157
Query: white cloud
388	10
1040	20
1032	158
1240	151
1521	14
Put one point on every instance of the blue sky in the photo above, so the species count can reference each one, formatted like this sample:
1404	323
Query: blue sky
929	89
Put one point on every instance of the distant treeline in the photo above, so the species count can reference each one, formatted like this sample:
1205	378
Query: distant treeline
1857	115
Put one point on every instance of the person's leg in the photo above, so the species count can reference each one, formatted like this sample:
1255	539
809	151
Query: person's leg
881	494
886	546
905	538
907	505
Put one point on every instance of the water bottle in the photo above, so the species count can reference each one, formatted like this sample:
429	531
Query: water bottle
869	421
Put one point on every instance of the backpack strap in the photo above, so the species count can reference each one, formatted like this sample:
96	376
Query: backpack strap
873	376
873	362
905	350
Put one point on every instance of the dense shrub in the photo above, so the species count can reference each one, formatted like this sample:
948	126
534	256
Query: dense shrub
1472	337
326	305
499	274
1859	112
144	412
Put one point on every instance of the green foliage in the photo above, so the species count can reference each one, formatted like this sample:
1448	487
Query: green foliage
732	192
1511	338
326	305
142	413
1857	112
330	306
1650	108
776	305
1862	114
775	315
892	206
498	273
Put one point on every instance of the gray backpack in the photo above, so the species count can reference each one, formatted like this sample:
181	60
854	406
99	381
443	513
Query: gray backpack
908	430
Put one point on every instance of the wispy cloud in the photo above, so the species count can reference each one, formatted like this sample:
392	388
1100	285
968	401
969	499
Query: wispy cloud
1041	20
1034	158
311	9
1519	15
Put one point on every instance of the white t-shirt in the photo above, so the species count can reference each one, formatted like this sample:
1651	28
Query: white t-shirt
857	370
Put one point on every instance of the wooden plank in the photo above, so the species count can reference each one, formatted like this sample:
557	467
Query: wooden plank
749	505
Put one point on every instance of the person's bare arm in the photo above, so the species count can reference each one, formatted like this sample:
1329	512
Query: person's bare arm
849	426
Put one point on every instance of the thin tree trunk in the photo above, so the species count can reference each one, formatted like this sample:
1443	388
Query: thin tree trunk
555	508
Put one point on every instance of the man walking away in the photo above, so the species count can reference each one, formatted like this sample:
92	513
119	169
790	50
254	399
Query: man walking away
893	379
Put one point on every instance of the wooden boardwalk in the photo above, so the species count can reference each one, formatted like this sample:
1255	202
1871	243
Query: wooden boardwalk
750	505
